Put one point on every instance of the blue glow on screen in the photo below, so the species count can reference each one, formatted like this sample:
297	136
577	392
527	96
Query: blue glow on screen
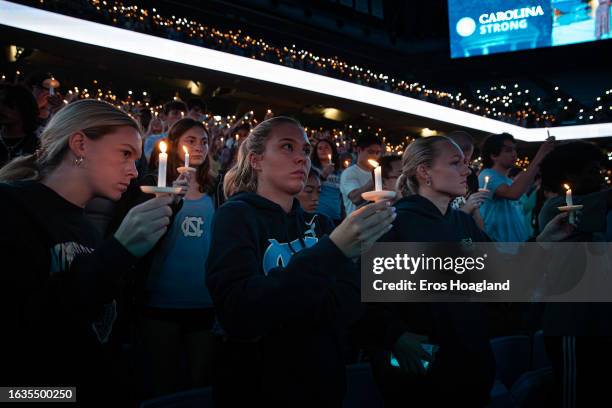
482	27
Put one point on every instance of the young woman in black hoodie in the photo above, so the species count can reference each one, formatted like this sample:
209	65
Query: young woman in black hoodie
283	289
58	304
434	172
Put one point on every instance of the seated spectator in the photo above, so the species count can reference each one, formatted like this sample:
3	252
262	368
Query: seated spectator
173	111
196	109
154	133
309	196
358	178
391	170
47	104
18	122
325	158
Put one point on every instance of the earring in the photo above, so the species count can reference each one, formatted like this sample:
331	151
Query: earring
78	161
428	181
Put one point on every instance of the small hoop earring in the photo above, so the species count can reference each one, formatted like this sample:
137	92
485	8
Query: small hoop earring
428	182
78	161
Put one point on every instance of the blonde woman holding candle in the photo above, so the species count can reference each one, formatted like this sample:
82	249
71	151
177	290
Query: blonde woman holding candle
434	172
59	307
283	284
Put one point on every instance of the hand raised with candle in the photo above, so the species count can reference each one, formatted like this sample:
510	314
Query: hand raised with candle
363	227
144	225
544	149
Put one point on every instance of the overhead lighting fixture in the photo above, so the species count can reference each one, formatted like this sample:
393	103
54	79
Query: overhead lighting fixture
74	29
426	132
334	114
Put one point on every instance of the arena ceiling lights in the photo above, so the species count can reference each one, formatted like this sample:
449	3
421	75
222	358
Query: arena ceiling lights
74	29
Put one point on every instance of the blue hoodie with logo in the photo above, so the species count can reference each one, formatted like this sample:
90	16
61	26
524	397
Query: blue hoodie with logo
284	295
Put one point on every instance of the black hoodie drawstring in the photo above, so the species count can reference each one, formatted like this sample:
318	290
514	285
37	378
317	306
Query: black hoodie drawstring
300	233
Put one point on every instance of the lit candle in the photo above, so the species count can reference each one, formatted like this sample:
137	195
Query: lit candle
568	195
569	200
377	175
486	179
186	156
163	163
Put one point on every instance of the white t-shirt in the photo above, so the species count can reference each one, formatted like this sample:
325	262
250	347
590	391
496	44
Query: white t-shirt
352	178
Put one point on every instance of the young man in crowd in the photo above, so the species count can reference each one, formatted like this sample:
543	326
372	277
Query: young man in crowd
502	216
357	178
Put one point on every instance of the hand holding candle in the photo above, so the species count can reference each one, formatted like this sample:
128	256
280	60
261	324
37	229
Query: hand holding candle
163	164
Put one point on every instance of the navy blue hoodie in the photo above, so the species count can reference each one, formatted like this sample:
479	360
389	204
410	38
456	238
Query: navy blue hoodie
283	294
464	369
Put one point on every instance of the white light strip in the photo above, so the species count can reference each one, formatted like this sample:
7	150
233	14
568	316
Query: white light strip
74	29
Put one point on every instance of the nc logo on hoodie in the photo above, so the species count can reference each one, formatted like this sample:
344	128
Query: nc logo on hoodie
279	254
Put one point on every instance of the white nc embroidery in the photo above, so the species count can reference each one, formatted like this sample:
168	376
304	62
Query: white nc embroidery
192	226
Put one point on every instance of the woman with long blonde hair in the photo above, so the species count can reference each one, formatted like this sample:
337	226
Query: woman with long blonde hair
282	283
434	172
58	301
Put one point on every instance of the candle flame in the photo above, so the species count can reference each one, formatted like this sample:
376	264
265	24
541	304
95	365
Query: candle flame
487	178
566	186
373	163
185	149
346	163
329	157
163	146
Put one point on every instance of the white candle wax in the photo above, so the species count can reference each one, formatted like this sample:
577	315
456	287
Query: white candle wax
186	156
163	164
377	175
569	200
378	178
486	180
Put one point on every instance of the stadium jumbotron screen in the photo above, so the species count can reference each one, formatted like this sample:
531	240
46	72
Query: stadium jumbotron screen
494	26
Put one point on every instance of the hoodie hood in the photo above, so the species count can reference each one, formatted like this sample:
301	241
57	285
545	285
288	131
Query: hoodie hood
419	220
422	207
292	223
263	203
